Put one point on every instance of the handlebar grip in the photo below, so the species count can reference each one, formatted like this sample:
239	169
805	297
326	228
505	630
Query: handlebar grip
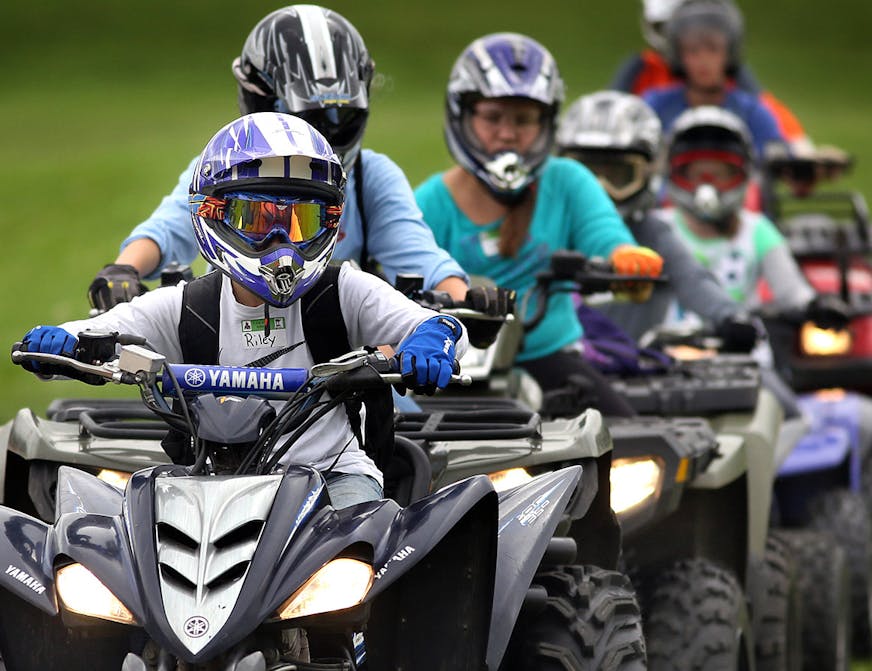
130	339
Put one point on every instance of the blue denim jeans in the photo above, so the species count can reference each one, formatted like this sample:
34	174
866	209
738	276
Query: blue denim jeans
348	489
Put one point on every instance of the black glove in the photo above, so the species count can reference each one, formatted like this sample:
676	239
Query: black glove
828	311
115	283
493	301
740	332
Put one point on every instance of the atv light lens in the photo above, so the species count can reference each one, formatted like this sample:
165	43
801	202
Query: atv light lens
634	481
339	584
816	341
115	478
512	477
83	593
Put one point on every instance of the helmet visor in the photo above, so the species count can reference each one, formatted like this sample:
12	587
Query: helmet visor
261	220
621	175
724	170
342	126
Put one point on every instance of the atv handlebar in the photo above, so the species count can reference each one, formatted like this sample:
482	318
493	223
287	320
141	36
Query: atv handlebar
573	272
120	371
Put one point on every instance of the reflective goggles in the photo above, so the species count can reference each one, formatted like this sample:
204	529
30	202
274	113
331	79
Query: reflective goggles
621	175
724	170
261	220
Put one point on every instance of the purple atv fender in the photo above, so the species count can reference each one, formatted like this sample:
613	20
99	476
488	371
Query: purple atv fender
834	436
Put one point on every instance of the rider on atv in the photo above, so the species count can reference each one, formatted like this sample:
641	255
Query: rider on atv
703	40
311	62
507	204
617	136
275	290
709	160
650	69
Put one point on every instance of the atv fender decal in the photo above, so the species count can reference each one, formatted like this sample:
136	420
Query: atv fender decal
399	556
13	572
533	511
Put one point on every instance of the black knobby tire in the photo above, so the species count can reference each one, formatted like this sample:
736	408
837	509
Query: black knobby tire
777	610
824	586
844	515
696	618
591	620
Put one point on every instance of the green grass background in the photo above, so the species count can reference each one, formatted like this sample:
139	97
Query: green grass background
104	103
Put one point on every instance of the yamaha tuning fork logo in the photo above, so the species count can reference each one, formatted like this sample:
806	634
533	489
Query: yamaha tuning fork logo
196	626
195	377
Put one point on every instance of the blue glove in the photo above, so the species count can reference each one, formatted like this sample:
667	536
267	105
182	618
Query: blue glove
48	340
426	357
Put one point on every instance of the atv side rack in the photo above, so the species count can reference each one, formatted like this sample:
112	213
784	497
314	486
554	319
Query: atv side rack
703	387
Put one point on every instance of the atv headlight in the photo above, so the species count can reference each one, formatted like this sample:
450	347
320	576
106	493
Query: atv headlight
512	477
341	583
83	593
634	481
115	478
816	341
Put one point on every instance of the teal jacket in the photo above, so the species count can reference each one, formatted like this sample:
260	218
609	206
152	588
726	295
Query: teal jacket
572	211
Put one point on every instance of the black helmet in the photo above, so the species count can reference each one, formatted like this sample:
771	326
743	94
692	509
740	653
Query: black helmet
311	62
721	16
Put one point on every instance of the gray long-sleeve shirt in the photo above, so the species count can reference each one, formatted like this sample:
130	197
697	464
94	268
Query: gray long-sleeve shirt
695	288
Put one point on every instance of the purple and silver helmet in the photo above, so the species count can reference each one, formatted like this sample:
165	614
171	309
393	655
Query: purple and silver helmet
266	198
502	65
311	62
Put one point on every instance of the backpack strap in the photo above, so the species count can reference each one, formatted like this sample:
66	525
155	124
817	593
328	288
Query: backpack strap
358	198
323	325
199	319
325	333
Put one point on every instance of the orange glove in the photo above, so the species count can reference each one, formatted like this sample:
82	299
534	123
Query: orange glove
633	260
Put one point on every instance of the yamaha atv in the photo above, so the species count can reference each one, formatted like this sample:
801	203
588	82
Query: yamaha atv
171	571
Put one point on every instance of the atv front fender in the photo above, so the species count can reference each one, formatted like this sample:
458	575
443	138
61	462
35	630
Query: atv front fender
26	572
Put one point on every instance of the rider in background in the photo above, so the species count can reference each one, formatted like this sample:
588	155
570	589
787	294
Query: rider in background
310	62
650	69
618	137
507	205
703	43
709	157
265	268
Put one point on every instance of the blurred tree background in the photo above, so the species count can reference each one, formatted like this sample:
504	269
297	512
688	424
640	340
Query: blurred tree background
105	102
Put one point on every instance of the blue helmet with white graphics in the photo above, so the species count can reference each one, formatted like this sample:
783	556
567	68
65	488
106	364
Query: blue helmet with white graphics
266	199
502	65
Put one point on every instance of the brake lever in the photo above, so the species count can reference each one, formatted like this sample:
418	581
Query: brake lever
340	364
108	371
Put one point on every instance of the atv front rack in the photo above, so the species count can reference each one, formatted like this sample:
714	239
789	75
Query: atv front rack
109	418
727	383
458	419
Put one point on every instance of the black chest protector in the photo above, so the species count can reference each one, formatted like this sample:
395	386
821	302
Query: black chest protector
325	334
